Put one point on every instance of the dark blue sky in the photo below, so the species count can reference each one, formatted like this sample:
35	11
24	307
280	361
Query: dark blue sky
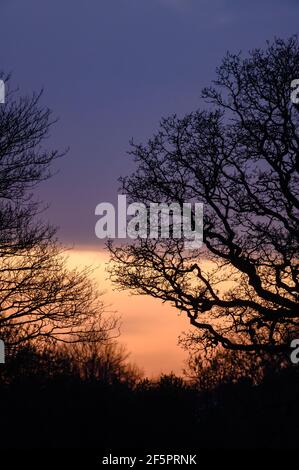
111	69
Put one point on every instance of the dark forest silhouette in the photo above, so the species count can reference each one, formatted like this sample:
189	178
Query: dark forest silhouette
67	382
49	400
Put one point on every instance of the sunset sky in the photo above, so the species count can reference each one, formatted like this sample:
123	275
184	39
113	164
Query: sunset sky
149	328
110	70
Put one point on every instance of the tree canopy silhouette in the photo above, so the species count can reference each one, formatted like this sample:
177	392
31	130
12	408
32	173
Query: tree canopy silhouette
40	297
239	157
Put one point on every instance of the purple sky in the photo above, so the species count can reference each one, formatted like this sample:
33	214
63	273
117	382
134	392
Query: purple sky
111	69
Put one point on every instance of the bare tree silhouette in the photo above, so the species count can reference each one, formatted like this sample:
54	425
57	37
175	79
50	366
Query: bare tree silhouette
229	367
106	361
239	158
39	296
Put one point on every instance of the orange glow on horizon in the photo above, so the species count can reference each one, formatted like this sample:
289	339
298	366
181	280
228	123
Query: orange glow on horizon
149	328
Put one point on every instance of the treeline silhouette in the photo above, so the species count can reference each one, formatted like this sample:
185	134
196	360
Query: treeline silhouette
69	397
66	381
